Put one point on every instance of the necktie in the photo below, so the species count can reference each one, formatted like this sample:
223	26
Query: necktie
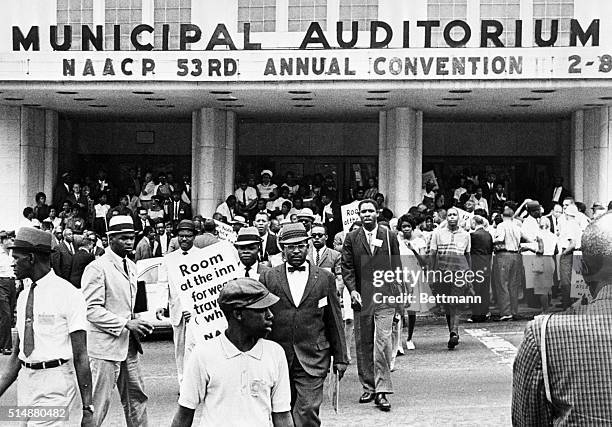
71	248
125	268
318	257
176	209
28	334
370	242
246	271
185	252
244	197
293	269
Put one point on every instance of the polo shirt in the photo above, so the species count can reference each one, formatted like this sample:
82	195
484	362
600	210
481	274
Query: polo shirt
59	310
451	247
236	388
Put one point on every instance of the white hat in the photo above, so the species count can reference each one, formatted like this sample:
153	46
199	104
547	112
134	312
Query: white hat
267	171
306	213
120	224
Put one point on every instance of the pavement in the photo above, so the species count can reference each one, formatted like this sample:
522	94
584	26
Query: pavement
434	386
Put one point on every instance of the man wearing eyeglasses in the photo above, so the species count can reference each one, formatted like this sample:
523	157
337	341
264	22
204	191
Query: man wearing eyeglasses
308	323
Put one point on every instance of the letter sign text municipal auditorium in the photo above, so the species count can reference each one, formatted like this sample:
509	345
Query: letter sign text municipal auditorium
321	55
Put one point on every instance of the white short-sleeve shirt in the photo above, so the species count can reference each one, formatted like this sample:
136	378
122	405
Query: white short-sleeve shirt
236	388
59	310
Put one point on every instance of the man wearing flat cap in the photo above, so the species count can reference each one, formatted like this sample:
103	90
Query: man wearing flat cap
248	245
109	286
239	377
179	317
309	323
51	327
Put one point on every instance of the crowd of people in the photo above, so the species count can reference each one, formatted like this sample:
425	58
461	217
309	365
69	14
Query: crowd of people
285	230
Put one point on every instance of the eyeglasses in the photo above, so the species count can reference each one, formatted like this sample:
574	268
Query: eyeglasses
300	246
317	235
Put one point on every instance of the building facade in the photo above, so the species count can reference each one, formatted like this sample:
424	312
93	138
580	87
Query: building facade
348	88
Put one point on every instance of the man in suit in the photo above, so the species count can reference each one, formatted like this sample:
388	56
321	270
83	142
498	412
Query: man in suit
66	252
268	240
558	192
141	223
481	252
179	317
176	209
164	237
209	236
62	190
81	259
488	188
331	216
322	256
109	287
308	323
559	381
76	197
144	248
248	244
367	250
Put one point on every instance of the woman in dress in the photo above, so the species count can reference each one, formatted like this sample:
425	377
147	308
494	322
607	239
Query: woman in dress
412	251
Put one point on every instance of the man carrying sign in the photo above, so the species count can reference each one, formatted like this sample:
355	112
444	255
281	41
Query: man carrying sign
308	325
178	316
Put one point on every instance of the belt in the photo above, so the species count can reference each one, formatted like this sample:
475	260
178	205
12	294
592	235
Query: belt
44	365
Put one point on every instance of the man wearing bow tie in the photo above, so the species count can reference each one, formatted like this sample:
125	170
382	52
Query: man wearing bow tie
308	323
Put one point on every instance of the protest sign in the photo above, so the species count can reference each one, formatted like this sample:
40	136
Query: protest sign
226	232
350	214
199	277
579	288
464	216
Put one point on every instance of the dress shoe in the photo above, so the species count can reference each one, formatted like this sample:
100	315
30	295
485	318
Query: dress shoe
410	345
453	341
382	402
366	397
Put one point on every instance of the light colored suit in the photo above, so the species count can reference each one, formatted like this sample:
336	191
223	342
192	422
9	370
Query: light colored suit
143	249
110	294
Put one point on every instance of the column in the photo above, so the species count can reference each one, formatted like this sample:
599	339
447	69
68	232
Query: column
401	150
212	164
591	147
28	154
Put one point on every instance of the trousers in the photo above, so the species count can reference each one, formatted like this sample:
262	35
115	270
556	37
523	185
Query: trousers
374	345
306	395
126	375
7	307
178	337
509	269
47	387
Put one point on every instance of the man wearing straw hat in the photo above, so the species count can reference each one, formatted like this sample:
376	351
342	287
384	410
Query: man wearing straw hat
109	286
248	245
51	324
308	324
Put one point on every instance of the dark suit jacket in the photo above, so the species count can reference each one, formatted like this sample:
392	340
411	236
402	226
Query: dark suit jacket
333	226
359	264
183	213
311	332
329	259
80	260
60	195
482	248
65	260
271	247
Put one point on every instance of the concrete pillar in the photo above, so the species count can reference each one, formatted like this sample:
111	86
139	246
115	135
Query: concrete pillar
28	154
591	153
213	148
401	158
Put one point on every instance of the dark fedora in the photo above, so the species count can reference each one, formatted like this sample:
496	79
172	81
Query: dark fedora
292	233
247	236
32	239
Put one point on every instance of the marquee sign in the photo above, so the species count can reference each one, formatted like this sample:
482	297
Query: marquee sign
312	65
